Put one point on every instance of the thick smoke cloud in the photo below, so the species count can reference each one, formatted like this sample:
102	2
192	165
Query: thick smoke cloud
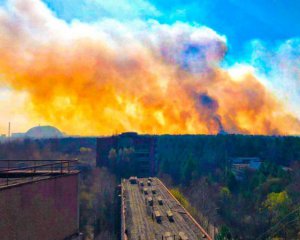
138	75
210	107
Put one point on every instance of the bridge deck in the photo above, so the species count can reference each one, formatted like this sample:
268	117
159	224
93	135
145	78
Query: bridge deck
141	225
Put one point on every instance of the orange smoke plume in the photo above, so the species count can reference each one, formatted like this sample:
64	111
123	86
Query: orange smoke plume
147	77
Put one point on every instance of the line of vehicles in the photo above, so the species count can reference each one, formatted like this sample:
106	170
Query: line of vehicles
153	201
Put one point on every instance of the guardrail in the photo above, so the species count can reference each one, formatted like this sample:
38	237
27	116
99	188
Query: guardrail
12	171
123	214
188	214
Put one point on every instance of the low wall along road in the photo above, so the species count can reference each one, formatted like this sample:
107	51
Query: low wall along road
144	215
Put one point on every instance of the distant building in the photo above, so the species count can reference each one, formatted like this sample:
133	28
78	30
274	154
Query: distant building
240	164
287	169
43	132
39	132
2	137
142	146
17	135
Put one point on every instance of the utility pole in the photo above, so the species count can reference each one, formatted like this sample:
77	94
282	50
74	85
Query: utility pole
8	129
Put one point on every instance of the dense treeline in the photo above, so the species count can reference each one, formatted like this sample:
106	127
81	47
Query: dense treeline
188	156
264	204
99	212
61	148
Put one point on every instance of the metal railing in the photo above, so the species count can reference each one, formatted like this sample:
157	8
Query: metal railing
16	171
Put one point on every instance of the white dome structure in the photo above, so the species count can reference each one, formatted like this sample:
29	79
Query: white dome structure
43	132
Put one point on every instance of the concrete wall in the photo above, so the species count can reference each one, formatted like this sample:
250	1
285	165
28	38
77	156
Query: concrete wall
45	209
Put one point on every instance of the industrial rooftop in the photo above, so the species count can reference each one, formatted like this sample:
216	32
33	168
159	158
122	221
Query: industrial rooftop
149	211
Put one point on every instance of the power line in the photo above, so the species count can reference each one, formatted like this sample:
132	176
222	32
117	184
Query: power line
278	223
294	220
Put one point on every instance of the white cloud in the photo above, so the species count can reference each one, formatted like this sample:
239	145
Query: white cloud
279	68
238	71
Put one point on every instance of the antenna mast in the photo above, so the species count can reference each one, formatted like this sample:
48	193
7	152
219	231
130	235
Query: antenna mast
8	129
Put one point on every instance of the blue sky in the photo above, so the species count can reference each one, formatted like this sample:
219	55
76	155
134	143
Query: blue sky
240	21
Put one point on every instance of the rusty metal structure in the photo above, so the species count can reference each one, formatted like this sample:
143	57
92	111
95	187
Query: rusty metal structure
21	171
39	199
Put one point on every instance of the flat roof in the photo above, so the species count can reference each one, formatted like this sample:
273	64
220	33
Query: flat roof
140	222
9	182
16	172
